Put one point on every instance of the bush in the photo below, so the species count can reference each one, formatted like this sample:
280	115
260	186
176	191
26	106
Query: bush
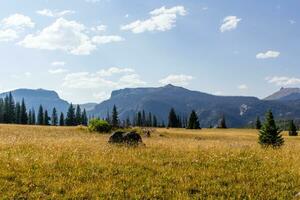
101	126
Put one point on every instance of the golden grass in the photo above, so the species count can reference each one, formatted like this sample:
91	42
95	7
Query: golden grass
69	163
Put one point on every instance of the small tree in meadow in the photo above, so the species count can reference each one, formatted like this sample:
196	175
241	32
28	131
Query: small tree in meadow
222	123
115	117
292	129
258	123
193	121
270	134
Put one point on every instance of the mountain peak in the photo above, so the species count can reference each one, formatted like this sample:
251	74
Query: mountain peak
285	94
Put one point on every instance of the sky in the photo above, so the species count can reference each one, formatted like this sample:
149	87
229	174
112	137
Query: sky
84	49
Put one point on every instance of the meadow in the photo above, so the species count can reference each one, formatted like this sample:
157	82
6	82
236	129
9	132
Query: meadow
72	163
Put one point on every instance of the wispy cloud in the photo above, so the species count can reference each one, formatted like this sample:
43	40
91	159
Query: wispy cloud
230	23
162	19
177	79
268	54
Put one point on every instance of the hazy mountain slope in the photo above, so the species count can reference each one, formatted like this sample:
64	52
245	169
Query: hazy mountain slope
35	98
285	94
239	111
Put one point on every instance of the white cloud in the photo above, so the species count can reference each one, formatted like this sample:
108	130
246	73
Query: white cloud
104	39
103	79
54	13
283	80
68	36
12	26
58	63
230	23
99	28
17	21
62	35
180	80
161	19
268	54
243	87
58	71
114	70
8	35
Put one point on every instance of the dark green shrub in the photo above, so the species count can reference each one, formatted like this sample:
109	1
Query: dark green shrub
100	126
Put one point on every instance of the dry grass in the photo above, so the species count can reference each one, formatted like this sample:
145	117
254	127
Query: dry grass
68	163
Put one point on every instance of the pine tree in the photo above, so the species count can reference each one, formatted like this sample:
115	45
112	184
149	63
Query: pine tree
1	110
115	117
292	129
71	118
193	121
143	118
62	119
139	119
23	115
33	118
258	123
46	118
154	121
78	115
270	134
84	118
40	119
18	113
54	117
173	119
222	123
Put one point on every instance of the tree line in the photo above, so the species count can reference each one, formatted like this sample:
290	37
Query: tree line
12	112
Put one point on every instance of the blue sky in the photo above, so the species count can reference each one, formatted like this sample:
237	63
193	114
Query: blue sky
84	49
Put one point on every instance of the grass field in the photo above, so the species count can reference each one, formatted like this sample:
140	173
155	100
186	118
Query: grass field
69	163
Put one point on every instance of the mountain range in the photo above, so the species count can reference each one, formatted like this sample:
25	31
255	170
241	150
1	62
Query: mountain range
239	110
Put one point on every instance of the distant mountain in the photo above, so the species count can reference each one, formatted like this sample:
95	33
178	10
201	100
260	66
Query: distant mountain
88	106
285	94
239	111
34	98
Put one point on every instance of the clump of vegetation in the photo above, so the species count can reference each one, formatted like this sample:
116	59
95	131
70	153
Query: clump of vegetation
100	126
292	129
270	134
193	121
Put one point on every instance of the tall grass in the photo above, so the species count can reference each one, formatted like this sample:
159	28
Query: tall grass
68	163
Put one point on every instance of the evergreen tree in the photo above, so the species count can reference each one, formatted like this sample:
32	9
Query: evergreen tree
29	117
292	129
115	117
62	119
84	118
33	118
143	118
78	115
173	119
40	119
127	122
1	110
222	123
54	117
270	134
193	121
139	119
71	118
154	121
18	113
23	115
46	118
258	123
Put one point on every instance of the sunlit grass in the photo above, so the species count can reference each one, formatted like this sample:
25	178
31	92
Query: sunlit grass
64	163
